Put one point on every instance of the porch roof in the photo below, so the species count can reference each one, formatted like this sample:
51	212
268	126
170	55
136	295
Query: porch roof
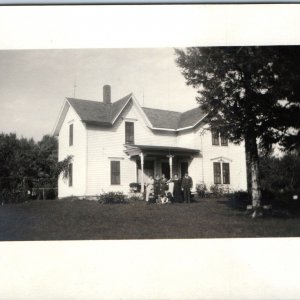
159	150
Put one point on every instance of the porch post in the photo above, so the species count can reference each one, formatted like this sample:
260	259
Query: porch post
142	169
171	165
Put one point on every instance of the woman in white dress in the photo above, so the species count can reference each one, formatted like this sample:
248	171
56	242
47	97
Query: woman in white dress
150	187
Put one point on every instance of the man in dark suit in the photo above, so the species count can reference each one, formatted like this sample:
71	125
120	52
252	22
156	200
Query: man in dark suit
186	186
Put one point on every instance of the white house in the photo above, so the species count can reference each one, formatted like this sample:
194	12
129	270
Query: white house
116	143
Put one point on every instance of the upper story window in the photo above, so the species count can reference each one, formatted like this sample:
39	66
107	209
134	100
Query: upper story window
218	138
71	129
215	137
129	132
224	140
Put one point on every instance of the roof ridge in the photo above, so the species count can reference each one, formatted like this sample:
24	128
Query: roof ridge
99	112
97	101
123	98
192	109
180	112
162	109
80	99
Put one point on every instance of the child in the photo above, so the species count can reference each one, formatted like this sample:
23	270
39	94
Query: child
166	199
149	188
151	199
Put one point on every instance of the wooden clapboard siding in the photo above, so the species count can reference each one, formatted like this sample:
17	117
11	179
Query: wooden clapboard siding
235	154
106	144
201	168
187	139
146	136
94	148
78	150
191	139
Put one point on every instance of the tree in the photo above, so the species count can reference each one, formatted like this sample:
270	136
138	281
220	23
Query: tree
47	157
280	174
251	94
21	157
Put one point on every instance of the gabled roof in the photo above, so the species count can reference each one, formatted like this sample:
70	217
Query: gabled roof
191	117
162	118
103	114
172	119
96	112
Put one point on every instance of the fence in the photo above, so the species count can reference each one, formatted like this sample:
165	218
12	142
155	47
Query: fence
20	189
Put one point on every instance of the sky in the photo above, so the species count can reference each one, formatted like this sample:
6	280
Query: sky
34	83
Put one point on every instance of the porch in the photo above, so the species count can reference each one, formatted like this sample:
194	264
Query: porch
158	160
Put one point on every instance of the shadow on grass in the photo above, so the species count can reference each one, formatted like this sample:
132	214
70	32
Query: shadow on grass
279	207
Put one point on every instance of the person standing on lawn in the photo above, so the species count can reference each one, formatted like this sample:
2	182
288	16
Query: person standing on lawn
163	185
177	189
186	186
157	188
150	187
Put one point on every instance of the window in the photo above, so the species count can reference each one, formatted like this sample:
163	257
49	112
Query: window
129	133
217	173
70	171
115	172
71	135
224	140
225	173
215	137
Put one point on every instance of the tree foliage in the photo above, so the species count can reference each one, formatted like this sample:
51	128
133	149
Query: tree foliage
247	91
21	157
251	94
280	174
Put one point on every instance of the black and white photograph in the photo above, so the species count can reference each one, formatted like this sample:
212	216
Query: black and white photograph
171	144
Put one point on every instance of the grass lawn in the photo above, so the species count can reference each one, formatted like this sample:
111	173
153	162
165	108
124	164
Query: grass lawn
87	220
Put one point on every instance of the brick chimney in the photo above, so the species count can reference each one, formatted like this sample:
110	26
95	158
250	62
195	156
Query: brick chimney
107	94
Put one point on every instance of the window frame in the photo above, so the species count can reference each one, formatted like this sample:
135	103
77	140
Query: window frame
115	175
218	139
223	175
226	173
70	175
224	140
129	133
217	177
71	134
215	137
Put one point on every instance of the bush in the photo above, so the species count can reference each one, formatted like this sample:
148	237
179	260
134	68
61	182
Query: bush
112	198
284	200
280	173
8	196
241	196
240	199
219	190
135	198
201	189
135	187
51	194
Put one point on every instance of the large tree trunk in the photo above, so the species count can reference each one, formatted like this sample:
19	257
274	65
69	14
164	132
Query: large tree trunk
252	155
248	166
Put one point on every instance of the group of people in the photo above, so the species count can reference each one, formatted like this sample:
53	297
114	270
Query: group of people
160	190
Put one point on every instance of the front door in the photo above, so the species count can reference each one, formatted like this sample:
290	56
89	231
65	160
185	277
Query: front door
184	166
165	169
